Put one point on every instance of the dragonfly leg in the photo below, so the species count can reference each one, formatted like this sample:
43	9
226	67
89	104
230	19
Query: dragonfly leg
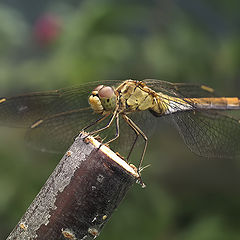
132	147
117	130
138	131
96	121
108	124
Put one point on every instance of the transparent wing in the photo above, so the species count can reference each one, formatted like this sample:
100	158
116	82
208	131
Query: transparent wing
63	114
180	89
209	134
23	110
57	132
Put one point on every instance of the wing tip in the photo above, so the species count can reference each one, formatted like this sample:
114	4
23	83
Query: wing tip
36	124
206	88
2	100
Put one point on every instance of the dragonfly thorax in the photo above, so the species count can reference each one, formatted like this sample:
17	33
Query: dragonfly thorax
135	96
103	99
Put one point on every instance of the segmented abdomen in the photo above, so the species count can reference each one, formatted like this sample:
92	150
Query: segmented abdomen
216	103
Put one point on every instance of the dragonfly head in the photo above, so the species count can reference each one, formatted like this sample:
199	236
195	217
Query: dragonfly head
103	99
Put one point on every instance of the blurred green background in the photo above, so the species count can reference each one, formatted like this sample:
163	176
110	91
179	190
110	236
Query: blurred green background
52	44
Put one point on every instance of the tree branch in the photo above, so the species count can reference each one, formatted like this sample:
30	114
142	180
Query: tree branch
80	195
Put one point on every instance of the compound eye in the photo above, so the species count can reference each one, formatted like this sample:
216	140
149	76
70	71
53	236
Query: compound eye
106	92
98	88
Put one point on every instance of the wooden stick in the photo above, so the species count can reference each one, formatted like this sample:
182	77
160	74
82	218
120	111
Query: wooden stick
80	195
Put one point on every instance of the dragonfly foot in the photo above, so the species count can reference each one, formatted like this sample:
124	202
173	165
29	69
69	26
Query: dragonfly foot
140	180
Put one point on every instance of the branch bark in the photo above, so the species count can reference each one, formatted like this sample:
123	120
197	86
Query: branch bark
80	195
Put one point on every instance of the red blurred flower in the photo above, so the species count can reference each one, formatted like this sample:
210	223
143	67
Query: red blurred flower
47	29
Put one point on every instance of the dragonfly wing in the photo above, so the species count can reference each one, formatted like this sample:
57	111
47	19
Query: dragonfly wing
208	133
23	110
57	132
180	89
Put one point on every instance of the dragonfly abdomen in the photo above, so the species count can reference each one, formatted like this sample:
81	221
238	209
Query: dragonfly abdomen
168	105
223	103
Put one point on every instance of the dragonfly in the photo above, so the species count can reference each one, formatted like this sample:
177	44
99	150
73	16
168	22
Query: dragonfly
124	111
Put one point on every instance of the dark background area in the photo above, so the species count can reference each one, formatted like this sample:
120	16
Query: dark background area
46	45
